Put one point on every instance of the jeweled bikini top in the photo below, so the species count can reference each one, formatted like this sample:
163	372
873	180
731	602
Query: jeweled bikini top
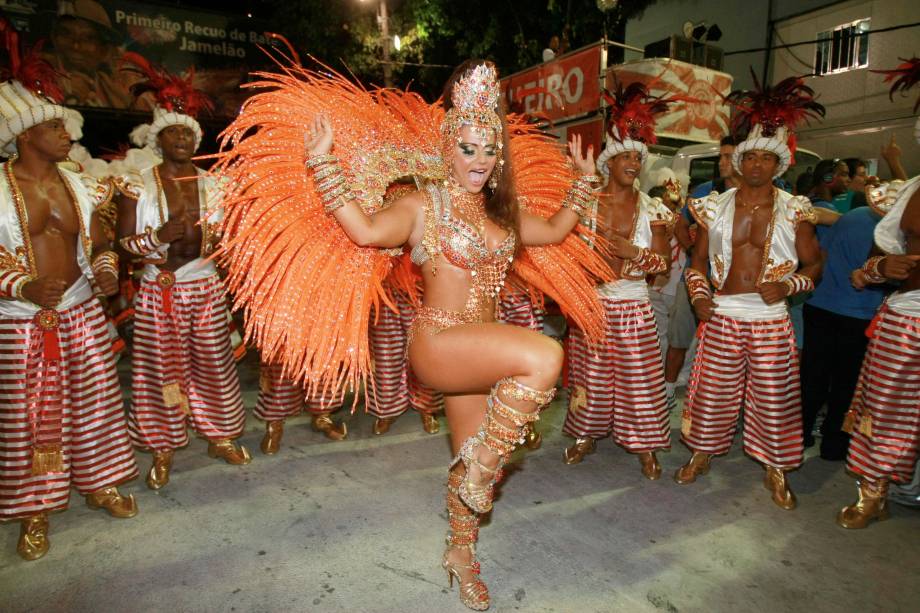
462	245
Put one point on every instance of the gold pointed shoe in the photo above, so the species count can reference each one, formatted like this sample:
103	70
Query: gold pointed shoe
651	469
430	423
33	537
271	442
158	475
872	504
109	498
533	439
333	431
577	452
696	466
228	452
382	425
776	482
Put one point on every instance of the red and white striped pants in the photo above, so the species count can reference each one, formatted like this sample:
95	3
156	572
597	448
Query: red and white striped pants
280	398
395	387
519	311
97	451
754	364
618	388
189	346
885	445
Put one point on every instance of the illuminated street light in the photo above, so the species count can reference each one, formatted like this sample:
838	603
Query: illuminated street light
397	44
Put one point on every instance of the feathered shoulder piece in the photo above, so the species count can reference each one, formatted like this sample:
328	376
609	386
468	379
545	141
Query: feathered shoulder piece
632	109
784	105
28	67
173	93
902	78
307	290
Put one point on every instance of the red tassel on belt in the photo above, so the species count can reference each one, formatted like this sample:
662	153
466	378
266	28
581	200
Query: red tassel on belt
48	321
44	400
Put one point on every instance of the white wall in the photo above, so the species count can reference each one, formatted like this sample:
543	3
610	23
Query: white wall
860	117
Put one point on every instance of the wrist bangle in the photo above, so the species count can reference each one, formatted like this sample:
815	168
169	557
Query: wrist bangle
107	261
697	285
319	160
871	269
326	171
141	244
18	286
648	261
154	238
580	195
330	182
797	284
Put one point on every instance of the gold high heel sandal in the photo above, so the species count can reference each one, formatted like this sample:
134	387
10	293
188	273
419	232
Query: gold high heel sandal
473	594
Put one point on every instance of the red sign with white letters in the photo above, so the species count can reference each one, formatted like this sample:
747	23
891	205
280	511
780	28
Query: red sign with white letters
560	89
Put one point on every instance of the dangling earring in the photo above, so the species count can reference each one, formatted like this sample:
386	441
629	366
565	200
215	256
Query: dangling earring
496	172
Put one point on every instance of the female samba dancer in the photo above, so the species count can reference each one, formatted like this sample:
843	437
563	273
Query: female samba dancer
464	235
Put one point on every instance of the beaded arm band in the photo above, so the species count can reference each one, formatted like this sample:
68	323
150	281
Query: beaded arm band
107	261
141	244
697	285
871	271
799	283
11	284
649	262
580	196
330	181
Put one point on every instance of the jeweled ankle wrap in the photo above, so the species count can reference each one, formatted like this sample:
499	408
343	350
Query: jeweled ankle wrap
464	524
463	534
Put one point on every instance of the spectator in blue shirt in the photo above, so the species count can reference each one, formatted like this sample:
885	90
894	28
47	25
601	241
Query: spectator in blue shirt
829	179
836	318
856	169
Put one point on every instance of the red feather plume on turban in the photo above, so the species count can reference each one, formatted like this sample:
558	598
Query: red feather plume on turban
788	103
905	76
173	93
632	110
28	67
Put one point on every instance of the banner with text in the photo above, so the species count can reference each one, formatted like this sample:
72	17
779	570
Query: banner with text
560	89
85	40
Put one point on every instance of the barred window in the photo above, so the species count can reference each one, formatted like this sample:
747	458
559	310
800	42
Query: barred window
844	48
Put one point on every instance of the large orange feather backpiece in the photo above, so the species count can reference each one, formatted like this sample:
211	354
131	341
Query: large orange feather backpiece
307	290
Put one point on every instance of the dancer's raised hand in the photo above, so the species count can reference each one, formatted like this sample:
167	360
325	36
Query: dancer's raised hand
318	138
584	163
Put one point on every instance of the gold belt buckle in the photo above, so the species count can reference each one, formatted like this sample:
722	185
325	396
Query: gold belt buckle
166	279
48	319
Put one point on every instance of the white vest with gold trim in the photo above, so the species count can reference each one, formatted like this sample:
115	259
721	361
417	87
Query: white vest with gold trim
716	213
